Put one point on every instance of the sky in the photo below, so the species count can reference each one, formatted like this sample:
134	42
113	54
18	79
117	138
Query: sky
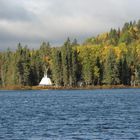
31	22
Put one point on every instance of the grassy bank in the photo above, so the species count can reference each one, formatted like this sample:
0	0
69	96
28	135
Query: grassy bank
65	88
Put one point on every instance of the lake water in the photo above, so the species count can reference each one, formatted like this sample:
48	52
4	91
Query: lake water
70	115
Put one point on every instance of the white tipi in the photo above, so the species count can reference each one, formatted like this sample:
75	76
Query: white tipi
45	81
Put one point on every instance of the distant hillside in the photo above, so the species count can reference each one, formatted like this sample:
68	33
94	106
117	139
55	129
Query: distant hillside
128	34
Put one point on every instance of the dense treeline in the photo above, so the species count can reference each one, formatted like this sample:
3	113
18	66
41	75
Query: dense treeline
111	58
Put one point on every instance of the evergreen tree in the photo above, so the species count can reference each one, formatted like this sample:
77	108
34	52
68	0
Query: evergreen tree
57	67
113	37
124	72
98	72
87	67
111	74
66	63
74	72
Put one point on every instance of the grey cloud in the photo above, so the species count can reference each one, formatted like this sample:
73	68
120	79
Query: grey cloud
14	39
32	21
12	10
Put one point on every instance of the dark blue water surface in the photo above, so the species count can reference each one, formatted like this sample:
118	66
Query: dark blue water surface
70	115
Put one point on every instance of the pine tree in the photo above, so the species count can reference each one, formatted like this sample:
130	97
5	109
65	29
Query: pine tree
111	73
74	72
66	62
56	67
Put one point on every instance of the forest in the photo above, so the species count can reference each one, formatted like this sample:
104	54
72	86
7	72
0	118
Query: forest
111	58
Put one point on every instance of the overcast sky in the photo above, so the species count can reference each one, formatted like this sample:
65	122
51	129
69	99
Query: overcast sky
33	21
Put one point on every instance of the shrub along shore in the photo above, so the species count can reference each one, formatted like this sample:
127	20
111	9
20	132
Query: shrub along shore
67	88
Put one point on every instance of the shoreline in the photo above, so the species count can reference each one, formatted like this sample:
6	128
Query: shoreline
67	88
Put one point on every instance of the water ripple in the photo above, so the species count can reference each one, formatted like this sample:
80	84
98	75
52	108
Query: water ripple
70	115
